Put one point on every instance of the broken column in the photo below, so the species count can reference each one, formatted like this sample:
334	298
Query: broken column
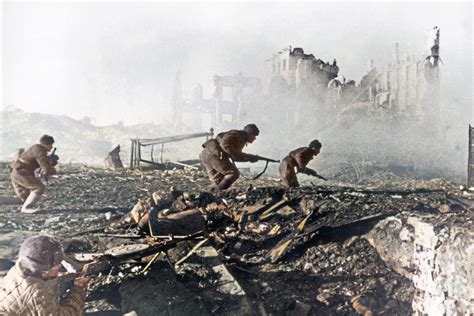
438	258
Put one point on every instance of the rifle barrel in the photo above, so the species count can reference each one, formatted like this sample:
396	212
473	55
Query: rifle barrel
267	159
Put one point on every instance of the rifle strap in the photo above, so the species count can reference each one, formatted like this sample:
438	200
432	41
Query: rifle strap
261	173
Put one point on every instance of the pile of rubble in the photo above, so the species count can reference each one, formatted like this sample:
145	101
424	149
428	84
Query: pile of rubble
334	248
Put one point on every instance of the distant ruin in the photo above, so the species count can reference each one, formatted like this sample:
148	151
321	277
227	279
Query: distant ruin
231	95
296	83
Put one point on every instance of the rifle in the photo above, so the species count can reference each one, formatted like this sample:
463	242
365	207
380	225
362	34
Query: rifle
53	158
123	254
320	177
311	172
267	160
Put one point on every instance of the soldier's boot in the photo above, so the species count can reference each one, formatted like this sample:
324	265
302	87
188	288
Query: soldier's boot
28	205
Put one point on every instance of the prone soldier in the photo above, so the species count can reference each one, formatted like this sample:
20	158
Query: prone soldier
26	185
220	154
296	162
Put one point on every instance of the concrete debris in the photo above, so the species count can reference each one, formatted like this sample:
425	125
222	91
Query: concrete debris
378	248
437	256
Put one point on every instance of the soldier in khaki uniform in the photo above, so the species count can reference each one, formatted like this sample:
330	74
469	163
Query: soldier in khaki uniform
296	162
220	154
27	187
23	290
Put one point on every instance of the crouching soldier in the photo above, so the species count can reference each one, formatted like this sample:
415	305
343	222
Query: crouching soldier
296	162
220	154
23	291
27	187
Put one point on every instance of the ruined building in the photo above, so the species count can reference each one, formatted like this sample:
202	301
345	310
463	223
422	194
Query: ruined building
294	85
299	89
291	70
232	98
233	94
406	85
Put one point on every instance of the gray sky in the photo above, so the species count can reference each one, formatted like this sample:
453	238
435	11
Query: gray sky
117	61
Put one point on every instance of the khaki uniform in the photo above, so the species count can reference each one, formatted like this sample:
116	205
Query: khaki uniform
295	162
217	152
161	215
179	224
23	171
25	295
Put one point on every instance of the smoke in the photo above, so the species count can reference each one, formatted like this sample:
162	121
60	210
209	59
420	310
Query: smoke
120	65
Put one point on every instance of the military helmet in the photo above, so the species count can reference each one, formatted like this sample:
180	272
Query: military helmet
315	144
252	129
40	253
46	140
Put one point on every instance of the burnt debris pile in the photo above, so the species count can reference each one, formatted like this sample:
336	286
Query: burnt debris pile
334	248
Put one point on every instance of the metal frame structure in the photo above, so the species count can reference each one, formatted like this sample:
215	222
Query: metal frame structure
138	143
470	161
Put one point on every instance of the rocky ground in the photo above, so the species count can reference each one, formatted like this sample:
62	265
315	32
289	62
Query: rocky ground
300	251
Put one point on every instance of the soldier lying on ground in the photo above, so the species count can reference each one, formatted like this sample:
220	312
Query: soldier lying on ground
166	214
296	162
23	290
220	154
27	187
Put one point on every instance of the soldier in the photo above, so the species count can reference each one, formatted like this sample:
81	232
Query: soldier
27	187
220	154
296	162
23	291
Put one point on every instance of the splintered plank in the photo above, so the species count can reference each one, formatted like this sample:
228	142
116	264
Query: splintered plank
304	229
189	254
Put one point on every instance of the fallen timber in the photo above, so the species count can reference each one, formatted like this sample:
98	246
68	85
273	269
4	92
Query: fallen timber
303	230
332	269
123	254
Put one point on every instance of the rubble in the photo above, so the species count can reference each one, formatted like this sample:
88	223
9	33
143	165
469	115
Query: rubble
436	253
339	255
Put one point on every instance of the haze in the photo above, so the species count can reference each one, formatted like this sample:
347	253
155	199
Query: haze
117	61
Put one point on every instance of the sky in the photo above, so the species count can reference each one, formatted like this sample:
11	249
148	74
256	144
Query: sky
116	61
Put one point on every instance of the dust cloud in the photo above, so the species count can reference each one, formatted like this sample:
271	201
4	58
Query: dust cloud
116	75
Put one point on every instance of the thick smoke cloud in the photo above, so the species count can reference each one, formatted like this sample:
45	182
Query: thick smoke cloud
117	61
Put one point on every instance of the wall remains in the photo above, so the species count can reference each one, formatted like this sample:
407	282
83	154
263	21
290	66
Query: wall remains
438	258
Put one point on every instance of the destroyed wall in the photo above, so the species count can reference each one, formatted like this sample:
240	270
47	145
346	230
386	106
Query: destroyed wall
392	120
237	101
299	71
408	85
232	100
295	88
403	87
438	257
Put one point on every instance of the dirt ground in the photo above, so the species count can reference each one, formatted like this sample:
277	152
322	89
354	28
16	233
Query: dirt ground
327	267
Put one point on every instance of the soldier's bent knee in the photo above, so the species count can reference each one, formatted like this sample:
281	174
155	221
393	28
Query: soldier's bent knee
40	189
235	175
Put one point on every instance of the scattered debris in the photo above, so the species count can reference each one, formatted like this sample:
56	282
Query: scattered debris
295	251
